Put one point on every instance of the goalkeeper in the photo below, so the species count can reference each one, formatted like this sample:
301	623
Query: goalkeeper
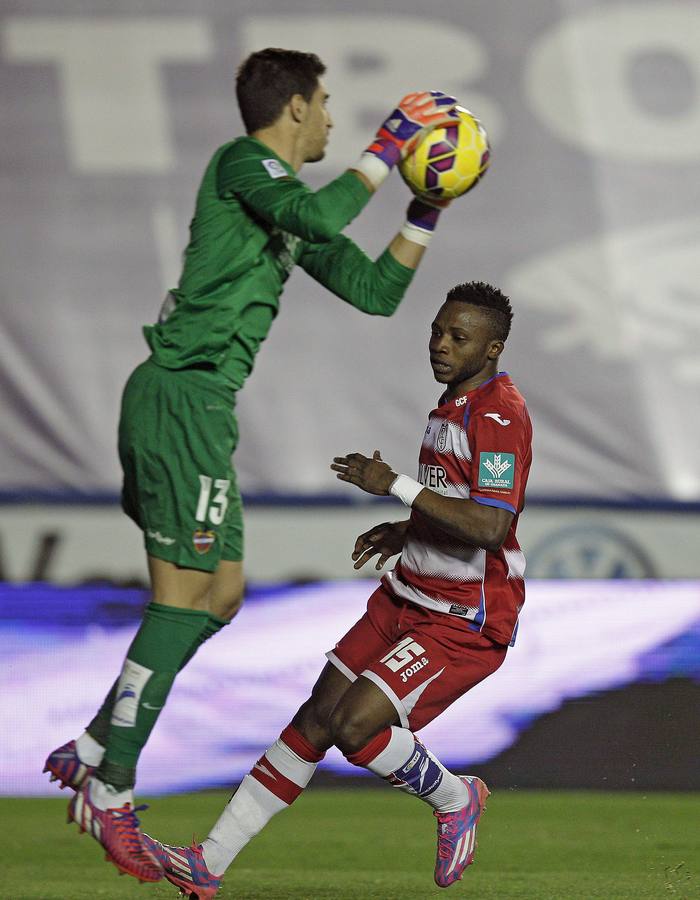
253	222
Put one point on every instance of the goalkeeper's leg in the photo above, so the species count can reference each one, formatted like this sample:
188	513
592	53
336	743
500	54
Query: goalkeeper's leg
76	760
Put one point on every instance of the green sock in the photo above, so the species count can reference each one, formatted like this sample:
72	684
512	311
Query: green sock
165	642
213	626
99	726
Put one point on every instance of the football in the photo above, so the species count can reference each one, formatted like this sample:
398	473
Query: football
450	161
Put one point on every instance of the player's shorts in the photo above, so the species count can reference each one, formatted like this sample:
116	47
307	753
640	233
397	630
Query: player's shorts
422	660
177	433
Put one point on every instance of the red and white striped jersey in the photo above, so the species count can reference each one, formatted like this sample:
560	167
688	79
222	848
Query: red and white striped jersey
476	446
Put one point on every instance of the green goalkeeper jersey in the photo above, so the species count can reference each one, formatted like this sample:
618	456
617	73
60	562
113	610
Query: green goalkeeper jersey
254	221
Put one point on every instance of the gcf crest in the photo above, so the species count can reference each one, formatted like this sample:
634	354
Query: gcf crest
203	541
441	441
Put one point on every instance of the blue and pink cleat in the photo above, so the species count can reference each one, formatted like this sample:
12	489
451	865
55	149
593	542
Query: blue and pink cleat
117	829
456	834
66	767
185	868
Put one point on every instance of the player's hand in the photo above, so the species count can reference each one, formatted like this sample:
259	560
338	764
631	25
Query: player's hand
371	475
383	540
401	132
415	117
421	220
427	200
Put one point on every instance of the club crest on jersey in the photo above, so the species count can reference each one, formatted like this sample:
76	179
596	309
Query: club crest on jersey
441	441
203	541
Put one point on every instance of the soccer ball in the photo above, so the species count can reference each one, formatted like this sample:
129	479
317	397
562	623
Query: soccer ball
450	161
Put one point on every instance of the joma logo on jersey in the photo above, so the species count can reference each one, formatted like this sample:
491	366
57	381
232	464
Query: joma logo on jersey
416	667
433	477
497	418
402	654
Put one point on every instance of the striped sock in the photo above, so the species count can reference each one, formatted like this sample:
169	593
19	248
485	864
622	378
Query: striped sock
398	757
273	784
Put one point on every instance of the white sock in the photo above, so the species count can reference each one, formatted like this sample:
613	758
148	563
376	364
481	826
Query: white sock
274	782
246	814
410	766
104	796
89	751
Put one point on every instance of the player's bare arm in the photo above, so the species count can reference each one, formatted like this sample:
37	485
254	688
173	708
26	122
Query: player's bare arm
471	522
385	541
406	252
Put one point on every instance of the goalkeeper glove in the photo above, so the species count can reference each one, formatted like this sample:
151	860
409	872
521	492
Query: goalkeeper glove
421	218
401	132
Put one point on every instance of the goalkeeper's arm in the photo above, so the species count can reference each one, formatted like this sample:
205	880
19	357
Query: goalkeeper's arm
373	286
280	199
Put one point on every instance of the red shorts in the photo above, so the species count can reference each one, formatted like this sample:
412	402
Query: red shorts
422	660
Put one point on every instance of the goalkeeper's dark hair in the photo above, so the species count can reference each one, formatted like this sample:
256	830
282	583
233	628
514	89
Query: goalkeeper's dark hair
268	79
494	303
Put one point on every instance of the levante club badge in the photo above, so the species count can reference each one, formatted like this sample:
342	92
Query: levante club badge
203	541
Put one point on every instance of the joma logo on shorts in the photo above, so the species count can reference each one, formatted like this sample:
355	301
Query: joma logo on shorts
416	667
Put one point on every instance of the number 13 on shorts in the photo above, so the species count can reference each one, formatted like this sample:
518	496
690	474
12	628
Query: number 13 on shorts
213	507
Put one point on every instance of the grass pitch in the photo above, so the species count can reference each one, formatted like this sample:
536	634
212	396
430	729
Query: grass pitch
374	844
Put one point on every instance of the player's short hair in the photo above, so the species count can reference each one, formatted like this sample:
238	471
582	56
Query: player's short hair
494	303
268	79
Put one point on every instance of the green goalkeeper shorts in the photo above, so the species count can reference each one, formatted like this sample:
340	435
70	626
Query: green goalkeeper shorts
177	433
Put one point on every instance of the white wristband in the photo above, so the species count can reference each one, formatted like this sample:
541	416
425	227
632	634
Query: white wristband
374	169
415	234
405	489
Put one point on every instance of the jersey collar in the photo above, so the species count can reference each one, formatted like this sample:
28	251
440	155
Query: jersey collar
463	399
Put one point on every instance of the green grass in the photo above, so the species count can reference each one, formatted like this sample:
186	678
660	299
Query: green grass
373	844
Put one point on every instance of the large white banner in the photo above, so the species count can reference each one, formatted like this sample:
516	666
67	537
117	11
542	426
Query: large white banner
76	544
588	218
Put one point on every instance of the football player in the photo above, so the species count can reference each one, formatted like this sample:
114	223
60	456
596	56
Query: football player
254	221
439	623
